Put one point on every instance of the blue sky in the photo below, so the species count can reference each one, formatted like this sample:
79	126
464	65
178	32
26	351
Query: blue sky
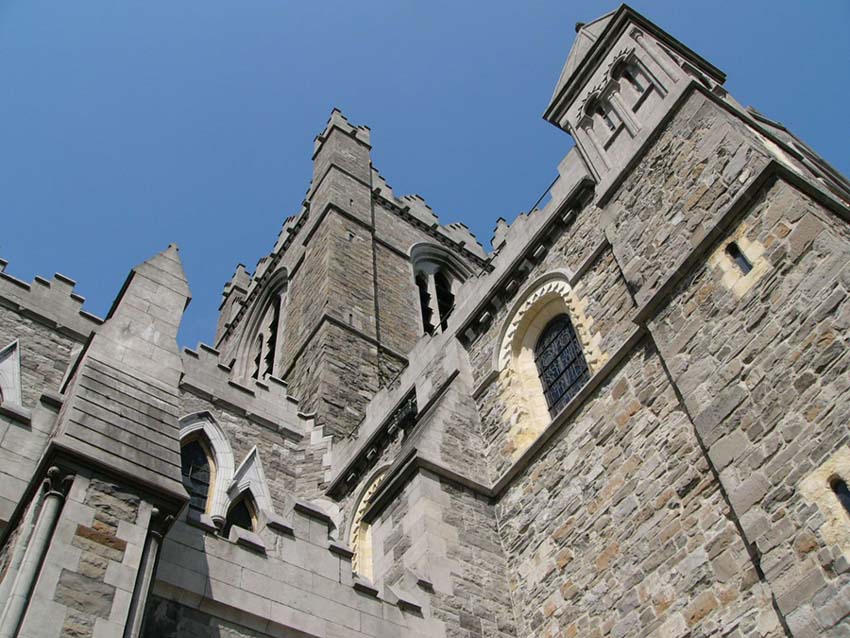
126	125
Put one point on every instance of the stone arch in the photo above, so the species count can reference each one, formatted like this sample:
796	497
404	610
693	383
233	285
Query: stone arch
521	390
203	425
437	276
360	532
268	307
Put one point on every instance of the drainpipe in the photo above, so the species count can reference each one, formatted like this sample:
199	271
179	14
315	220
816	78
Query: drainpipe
55	486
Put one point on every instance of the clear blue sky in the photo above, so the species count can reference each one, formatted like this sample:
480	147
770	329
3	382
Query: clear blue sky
129	124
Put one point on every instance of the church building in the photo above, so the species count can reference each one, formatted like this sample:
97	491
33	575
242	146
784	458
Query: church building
630	418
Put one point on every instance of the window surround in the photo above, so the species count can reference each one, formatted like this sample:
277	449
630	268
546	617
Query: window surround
427	262
360	532
203	426
247	352
521	388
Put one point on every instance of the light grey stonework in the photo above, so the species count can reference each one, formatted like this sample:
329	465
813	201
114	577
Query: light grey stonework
386	439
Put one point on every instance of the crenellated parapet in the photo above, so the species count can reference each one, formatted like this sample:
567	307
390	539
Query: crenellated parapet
53	302
292	574
265	402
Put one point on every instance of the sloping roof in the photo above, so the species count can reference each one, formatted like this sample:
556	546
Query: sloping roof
586	35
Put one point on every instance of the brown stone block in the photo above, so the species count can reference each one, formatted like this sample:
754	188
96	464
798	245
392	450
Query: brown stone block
701	607
101	537
607	556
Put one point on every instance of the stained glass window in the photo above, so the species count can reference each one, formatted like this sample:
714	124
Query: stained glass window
195	469
560	363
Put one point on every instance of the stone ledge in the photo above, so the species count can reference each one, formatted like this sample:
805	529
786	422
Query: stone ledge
247	539
16	413
313	511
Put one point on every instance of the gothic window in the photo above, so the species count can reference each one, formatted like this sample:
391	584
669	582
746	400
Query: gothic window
437	274
195	468
241	514
258	354
206	465
560	363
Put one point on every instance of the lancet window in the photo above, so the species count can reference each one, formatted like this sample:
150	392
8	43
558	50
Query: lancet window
242	513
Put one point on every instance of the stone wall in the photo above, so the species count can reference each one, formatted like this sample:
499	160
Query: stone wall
45	353
440	533
763	369
619	528
89	572
277	452
678	191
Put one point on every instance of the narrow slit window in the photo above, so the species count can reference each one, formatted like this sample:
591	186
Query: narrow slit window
445	298
425	303
560	363
271	344
738	257
842	492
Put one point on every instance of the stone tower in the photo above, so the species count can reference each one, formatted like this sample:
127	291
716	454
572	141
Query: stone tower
628	419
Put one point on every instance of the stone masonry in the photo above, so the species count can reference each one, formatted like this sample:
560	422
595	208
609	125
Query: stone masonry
367	450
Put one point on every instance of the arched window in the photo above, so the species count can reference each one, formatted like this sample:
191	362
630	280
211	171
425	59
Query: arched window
437	274
560	363
242	513
206	465
197	472
546	354
259	348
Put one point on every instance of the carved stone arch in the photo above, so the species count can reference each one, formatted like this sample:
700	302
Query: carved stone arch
360	532
10	374
423	253
544	299
272	292
250	477
203	424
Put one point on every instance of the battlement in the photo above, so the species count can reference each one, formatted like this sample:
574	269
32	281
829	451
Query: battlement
339	121
265	402
51	301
